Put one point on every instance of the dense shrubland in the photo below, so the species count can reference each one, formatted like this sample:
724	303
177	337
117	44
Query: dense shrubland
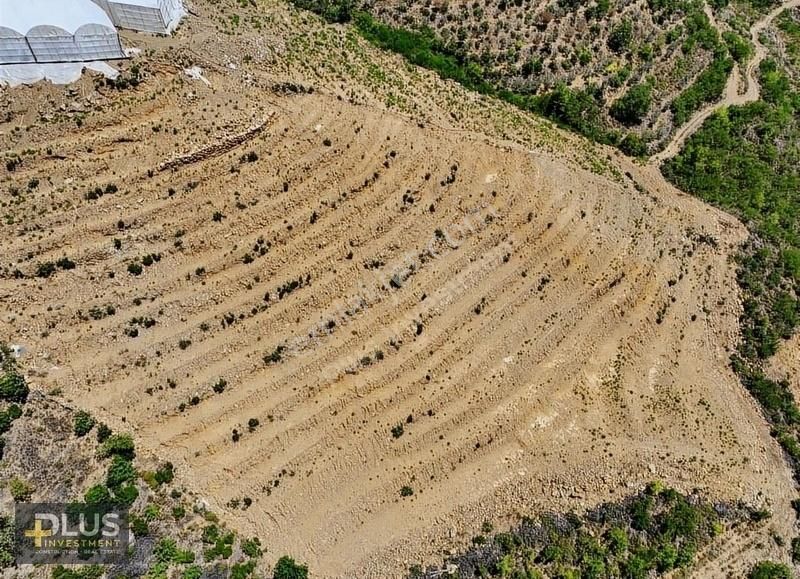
653	533
612	111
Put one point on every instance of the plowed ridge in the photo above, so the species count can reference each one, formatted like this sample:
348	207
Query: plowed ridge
543	334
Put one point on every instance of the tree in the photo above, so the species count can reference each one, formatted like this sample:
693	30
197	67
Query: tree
632	107
286	568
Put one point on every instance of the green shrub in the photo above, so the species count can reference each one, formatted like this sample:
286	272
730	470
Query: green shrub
770	570
139	526
621	36
45	269
165	473
252	548
165	550
120	471
85	572
286	568
83	423
13	387
633	106
242	570
118	445
97	495
178	512
8	416
21	491
103	432
7	542
740	48
796	550
126	494
398	430
707	87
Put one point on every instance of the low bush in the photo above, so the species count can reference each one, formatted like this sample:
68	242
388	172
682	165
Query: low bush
287	568
82	423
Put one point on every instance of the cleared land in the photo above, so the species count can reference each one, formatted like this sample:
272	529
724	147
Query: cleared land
548	336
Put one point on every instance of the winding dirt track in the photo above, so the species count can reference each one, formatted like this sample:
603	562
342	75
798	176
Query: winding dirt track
548	336
732	96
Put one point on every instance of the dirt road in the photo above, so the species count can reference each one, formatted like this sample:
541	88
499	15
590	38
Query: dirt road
732	96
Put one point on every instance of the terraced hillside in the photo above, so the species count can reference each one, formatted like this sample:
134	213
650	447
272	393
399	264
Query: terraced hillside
625	63
359	334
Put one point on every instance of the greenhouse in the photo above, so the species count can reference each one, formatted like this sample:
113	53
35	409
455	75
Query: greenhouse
47	31
156	16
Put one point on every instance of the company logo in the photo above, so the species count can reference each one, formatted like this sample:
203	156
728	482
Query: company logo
65	533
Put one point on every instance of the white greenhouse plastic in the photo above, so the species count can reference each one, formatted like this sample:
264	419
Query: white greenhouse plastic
156	16
43	31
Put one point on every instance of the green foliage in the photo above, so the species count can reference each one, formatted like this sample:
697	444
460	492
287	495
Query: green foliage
739	47
707	88
126	494
85	572
8	416
118	445
621	36
103	432
579	110
120	471
20	490
242	570
83	423
139	526
653	533
398	430
699	31
738	161
97	495
13	387
222	544
45	269
330	10
165	550
7	542
424	49
770	570
287	568
633	106
165	473
192	572
252	547
796	550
